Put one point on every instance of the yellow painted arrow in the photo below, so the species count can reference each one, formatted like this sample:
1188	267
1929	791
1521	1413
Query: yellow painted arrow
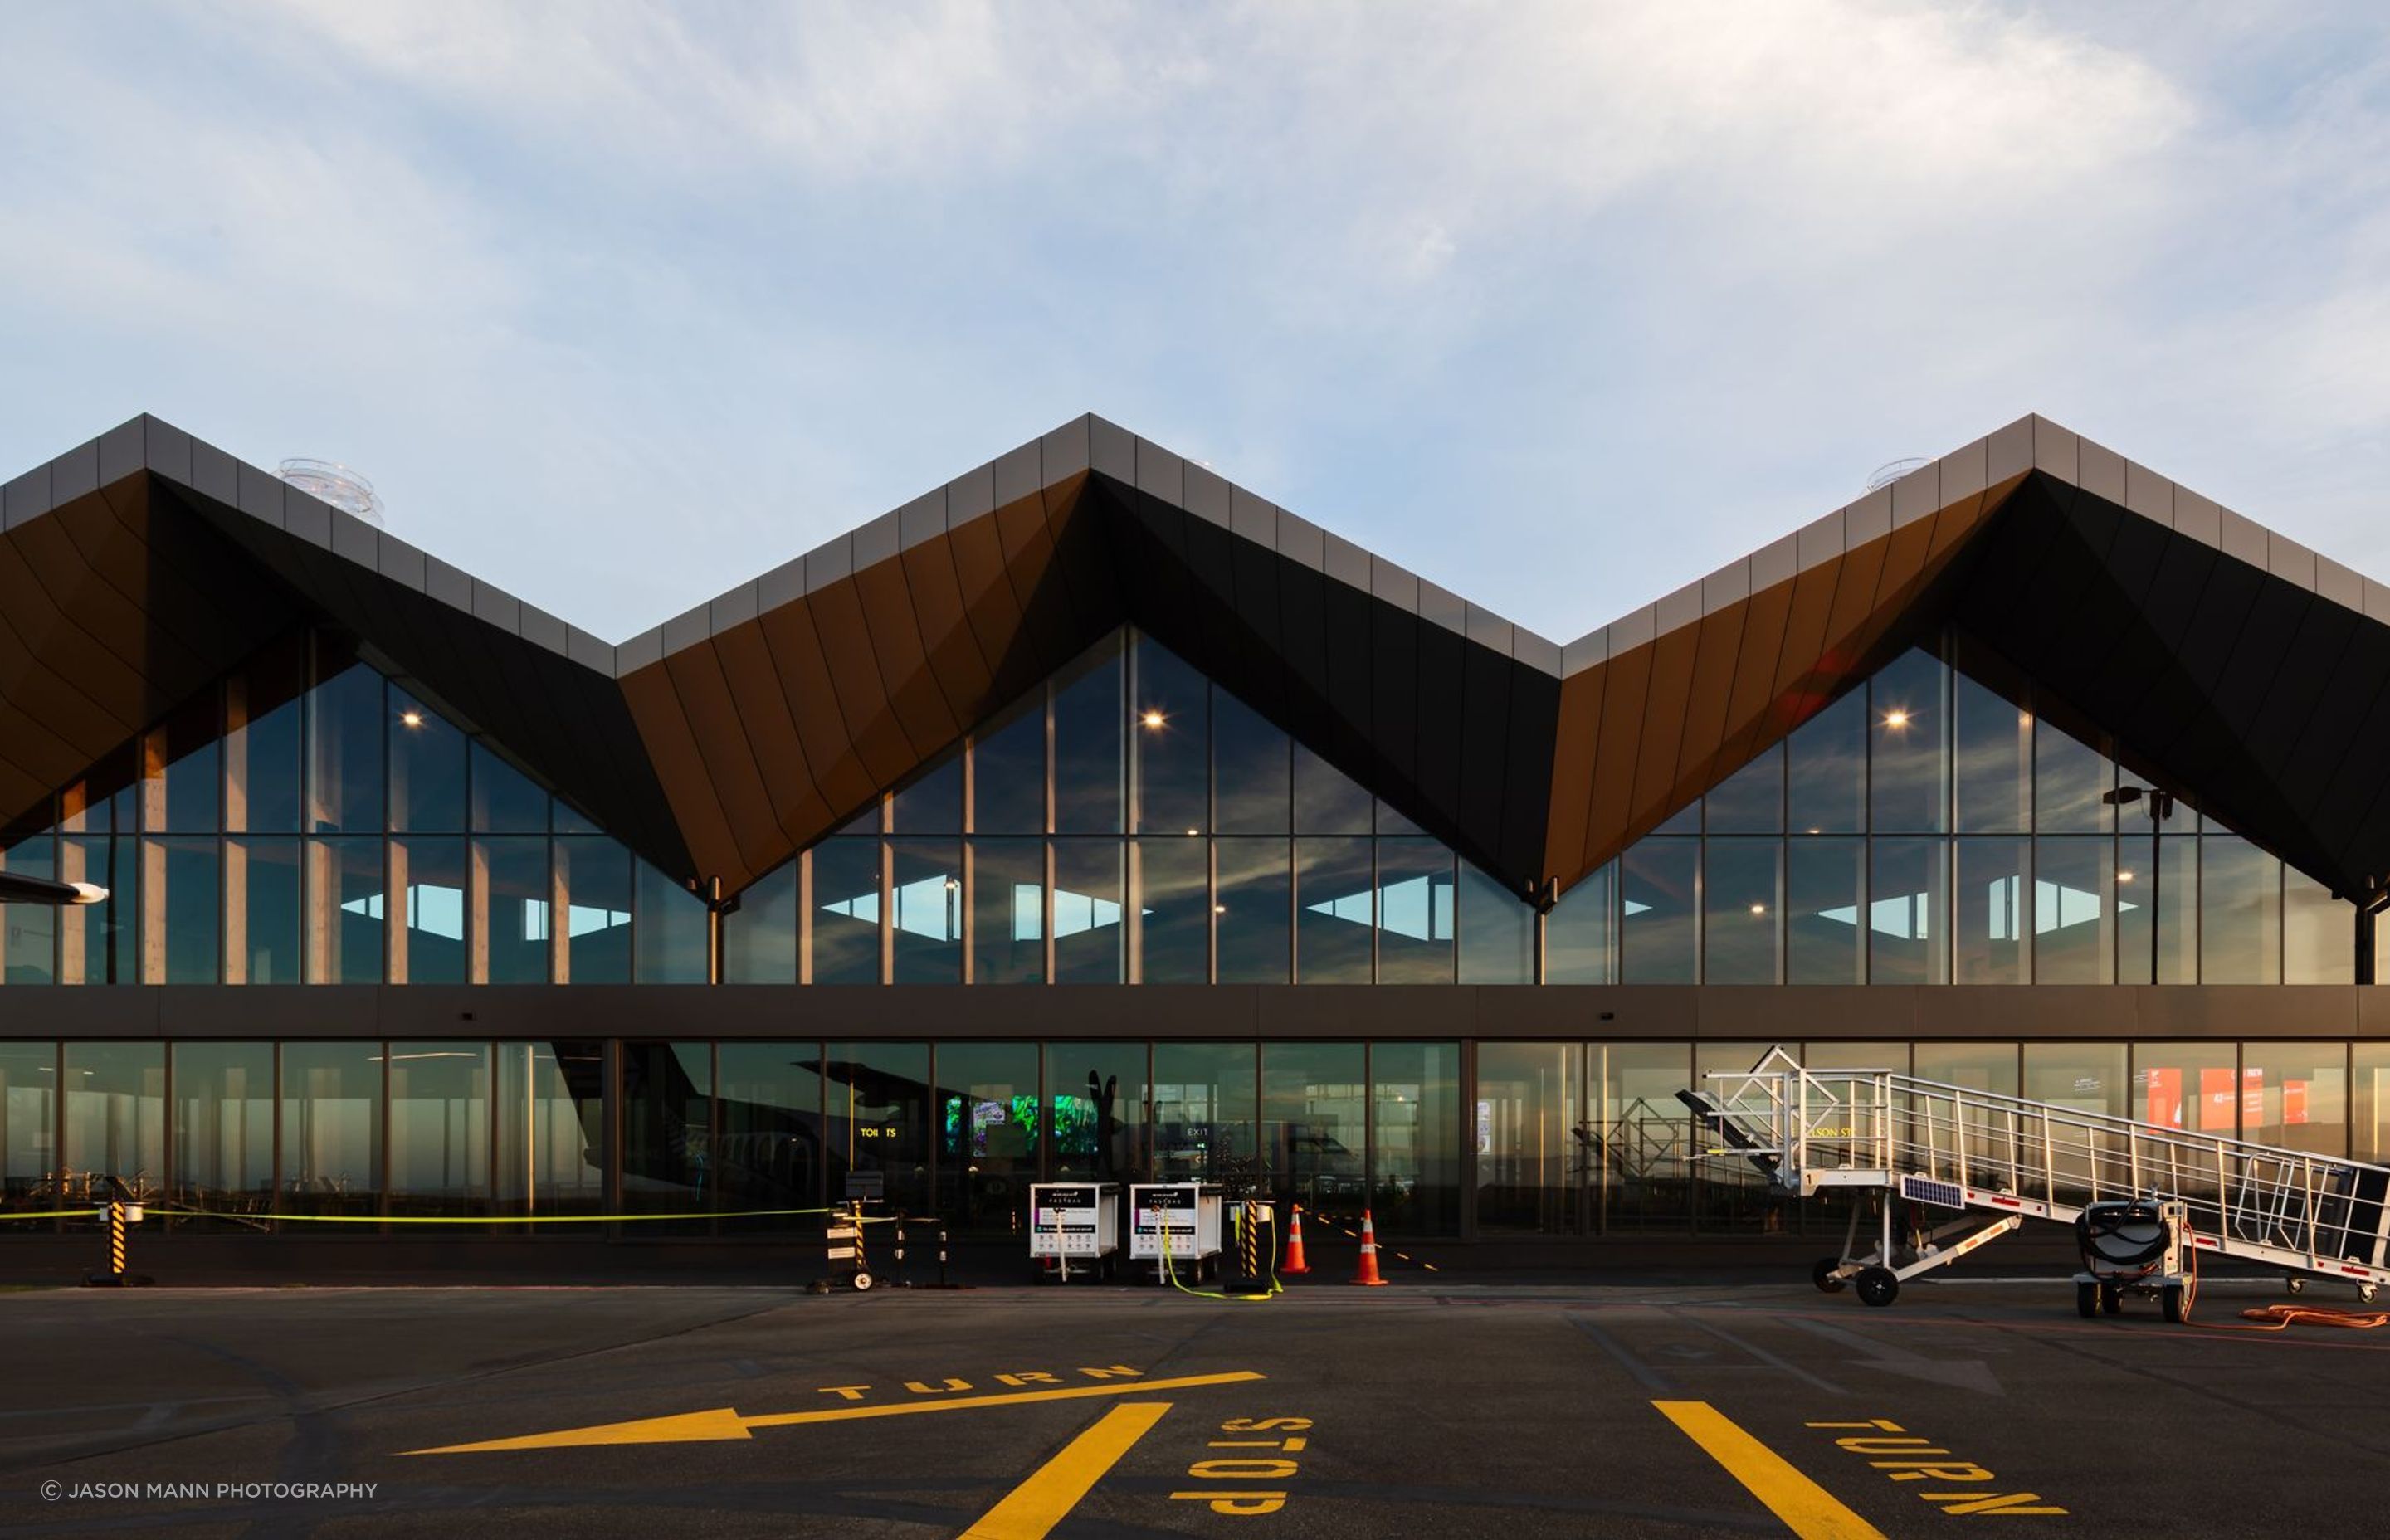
724	1422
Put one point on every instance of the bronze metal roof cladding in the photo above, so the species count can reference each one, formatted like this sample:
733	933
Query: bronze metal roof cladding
2230	663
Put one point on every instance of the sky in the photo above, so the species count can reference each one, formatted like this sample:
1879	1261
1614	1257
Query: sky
620	305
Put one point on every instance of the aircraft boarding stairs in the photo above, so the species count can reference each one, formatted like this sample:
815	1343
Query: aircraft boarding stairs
1996	1160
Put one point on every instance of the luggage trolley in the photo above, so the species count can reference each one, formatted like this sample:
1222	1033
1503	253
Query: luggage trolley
1997	1161
1176	1223
1074	1227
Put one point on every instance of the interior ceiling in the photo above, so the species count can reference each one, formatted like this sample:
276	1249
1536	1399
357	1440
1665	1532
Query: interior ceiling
2231	665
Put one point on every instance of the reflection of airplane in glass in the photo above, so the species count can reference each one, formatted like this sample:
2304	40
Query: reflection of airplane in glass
20	888
1314	1159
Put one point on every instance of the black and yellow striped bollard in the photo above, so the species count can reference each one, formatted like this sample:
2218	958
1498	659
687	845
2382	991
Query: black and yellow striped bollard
118	1215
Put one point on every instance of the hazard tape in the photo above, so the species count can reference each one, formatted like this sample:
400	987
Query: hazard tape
1338	1222
163	1211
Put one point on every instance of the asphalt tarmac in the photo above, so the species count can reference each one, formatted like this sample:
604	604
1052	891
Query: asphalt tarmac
1424	1408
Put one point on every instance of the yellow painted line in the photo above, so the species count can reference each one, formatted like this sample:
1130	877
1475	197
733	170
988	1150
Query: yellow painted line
1807	1510
1039	1504
726	1423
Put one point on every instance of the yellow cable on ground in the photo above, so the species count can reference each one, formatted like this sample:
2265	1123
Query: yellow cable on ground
1275	1289
2282	1318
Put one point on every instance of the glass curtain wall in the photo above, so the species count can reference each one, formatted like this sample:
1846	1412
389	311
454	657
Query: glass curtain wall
1249	859
1534	1149
1926	830
310	820
223	1131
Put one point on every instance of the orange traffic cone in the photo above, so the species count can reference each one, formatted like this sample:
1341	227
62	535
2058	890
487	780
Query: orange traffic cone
1369	1274
1294	1265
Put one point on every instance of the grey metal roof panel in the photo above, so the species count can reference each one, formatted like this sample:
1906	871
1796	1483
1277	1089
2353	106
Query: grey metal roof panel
1209	496
1917	495
2243	539
1821	541
2341	585
686	629
1535	652
123	451
1161	472
2008	451
2289	560
1585	652
306	518
451	586
589	651
876	542
2102	472
1679	609
1066	451
214	473
1868	519
640	651
543	629
829	561
1778	561
75	473
783	585
1012	477
1490	630
2149	494
1301	541
735	608
26	496
262	496
1253	517
971	494
494	606
1964	471
400	562
1443	607
1112	451
1393	584
1729	584
352	538
922	519
2200	517
1347	563
166	449
2056	450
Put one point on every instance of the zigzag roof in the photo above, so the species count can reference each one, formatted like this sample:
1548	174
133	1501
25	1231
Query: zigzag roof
2229	663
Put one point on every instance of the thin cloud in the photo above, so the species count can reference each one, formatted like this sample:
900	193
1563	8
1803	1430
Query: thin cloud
622	303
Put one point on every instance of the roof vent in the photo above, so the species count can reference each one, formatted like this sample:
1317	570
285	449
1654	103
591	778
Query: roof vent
1884	475
335	483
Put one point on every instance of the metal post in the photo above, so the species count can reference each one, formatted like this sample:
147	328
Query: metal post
942	1256
116	1239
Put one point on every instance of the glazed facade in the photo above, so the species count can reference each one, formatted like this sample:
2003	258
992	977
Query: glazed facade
1133	822
1091	817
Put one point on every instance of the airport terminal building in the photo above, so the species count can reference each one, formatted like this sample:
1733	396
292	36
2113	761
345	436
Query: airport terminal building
1091	816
